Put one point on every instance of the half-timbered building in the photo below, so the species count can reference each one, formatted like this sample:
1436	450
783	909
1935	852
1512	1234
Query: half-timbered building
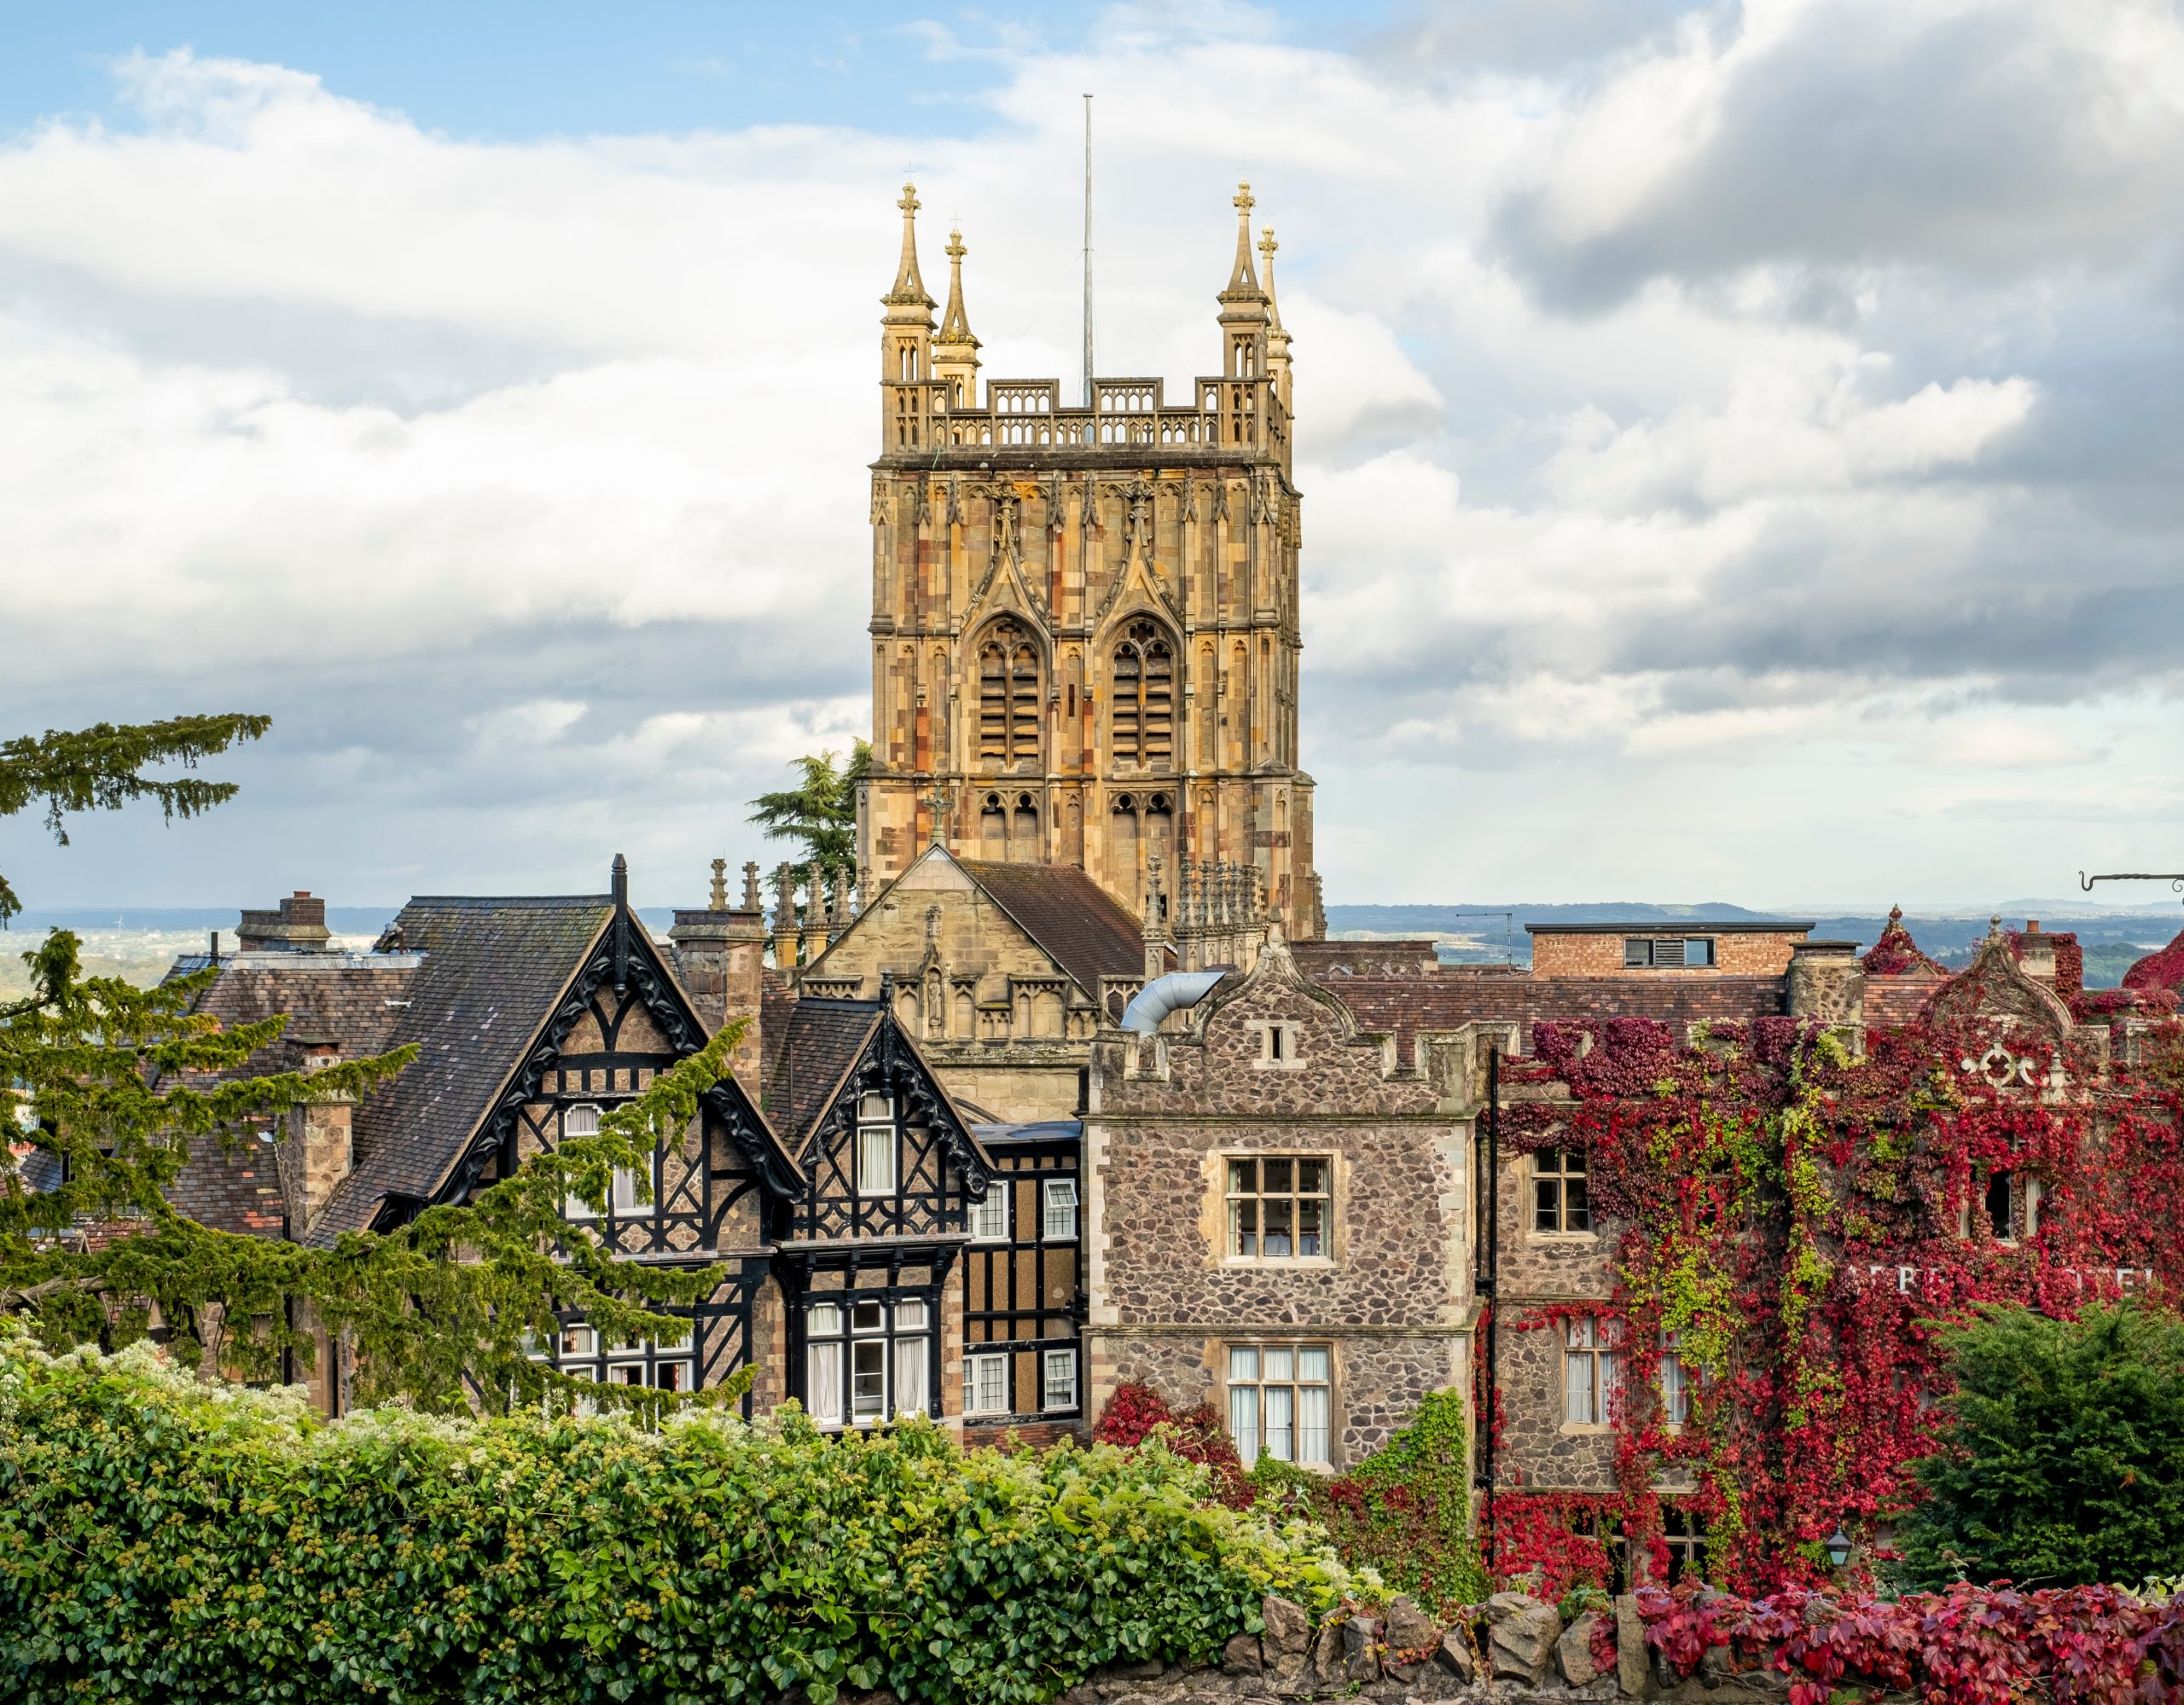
849	1201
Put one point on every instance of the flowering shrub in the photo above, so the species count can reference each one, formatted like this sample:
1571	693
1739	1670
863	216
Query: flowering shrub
163	1540
1136	1413
1967	1646
1403	1513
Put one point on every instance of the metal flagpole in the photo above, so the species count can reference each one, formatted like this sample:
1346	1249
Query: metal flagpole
1088	251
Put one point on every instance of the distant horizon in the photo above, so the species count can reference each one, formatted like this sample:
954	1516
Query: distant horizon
365	915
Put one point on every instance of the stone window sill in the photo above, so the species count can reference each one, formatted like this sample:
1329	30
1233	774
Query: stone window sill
1276	1263
1562	1237
1588	1428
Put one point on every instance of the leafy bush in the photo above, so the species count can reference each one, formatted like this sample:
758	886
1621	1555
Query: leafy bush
1404	1512
2062	1460
162	1539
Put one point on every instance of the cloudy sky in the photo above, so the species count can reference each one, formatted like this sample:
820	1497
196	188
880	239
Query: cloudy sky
1739	443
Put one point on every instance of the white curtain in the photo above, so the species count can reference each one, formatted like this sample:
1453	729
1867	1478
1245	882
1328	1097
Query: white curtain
909	1375
1312	1406
1244	1402
826	1384
1281	1445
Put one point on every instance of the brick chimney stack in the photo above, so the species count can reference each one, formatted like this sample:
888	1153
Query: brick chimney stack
297	925
319	1151
719	952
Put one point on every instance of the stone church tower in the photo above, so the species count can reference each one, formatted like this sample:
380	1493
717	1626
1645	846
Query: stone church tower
1084	618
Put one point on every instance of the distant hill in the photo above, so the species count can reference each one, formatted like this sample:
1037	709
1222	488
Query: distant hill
1489	934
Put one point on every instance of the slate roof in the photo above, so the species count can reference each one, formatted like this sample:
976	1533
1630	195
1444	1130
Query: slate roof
819	1041
1074	921
494	969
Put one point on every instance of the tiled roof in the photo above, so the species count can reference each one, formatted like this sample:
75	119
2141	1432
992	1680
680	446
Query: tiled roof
1406	1006
1072	919
493	972
325	995
819	1041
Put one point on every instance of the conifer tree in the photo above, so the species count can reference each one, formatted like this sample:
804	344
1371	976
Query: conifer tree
819	812
114	1088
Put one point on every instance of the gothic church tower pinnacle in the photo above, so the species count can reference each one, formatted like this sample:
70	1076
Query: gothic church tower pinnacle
1084	619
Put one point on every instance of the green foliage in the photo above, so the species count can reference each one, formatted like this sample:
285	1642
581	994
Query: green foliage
101	770
2062	1460
122	1085
162	1538
1404	1512
820	813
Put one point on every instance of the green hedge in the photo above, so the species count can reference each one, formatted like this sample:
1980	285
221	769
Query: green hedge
162	1538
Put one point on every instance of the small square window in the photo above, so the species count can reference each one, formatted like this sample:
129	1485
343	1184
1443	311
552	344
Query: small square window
1061	1210
1561	1202
1278	1207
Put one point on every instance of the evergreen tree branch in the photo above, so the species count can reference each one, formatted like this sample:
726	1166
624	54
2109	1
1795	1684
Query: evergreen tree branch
101	768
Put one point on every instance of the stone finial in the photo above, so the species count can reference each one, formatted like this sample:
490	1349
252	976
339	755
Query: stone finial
909	287
1242	281
863	887
841	906
752	902
954	324
1267	247
719	898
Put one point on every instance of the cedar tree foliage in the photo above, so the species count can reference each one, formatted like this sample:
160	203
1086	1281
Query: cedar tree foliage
2062	1463
820	813
115	1088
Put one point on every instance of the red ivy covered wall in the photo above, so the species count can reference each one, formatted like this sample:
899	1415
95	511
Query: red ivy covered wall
1798	1217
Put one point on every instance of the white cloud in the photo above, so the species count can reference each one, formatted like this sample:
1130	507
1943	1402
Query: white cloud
525	480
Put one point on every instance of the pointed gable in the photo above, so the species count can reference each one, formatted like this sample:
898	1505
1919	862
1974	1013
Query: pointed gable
1996	988
1896	954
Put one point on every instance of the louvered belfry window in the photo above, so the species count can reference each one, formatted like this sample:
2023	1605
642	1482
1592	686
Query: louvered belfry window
1009	696
1144	697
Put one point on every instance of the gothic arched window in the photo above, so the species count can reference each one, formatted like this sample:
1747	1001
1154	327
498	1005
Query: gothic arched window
1144	697
1009	696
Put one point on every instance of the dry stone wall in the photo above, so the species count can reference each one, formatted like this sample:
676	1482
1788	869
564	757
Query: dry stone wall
1517	1651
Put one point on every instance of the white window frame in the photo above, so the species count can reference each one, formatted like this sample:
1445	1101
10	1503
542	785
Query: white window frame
985	1384
574	1207
1674	1382
868	1121
1592	1373
1282	1402
1056	1394
1057	1198
895	1336
989	1215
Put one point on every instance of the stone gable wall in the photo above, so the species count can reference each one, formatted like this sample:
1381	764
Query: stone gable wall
1392	1299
